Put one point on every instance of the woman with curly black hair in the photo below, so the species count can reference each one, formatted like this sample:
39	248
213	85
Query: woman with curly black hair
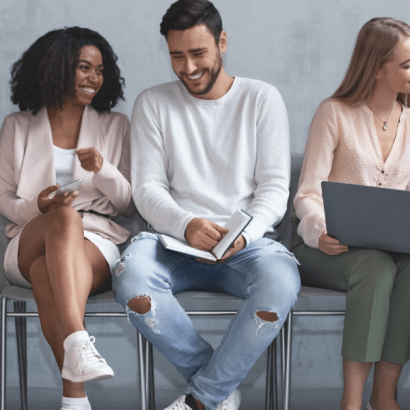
63	245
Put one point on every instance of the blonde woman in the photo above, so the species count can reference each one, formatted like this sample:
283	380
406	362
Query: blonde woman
361	135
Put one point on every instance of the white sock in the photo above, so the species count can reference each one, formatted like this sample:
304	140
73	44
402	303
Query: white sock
75	400
74	339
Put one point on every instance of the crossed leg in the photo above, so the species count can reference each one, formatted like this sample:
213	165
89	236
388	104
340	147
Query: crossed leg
63	269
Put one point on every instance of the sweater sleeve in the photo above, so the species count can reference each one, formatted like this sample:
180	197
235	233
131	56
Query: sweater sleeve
115	183
149	164
272	171
317	165
12	207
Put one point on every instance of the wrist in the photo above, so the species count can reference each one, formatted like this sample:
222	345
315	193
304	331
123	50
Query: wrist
98	169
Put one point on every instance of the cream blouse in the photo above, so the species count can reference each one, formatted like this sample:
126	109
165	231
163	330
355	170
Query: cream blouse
343	146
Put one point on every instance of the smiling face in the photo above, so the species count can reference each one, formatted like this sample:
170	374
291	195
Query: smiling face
89	75
196	59
394	75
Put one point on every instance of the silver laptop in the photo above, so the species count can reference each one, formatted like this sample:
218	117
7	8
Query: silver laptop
368	217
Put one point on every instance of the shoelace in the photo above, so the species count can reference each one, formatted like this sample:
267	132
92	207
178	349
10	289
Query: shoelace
223	405
89	352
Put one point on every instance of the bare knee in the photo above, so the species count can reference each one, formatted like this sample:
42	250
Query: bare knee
63	217
140	304
268	316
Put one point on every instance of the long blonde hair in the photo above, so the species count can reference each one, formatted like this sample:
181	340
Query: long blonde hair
375	45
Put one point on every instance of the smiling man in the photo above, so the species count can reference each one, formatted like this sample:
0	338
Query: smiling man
202	147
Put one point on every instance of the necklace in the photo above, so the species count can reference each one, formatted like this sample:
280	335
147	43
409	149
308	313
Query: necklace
384	122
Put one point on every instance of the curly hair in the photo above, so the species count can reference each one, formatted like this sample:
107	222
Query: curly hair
45	73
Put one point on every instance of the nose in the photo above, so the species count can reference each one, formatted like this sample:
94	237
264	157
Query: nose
93	76
190	66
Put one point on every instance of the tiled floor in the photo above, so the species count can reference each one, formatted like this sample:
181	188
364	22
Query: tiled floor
127	399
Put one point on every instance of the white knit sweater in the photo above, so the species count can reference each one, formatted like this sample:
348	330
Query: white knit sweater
199	158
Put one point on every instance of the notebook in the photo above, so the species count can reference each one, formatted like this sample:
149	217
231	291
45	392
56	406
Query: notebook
236	224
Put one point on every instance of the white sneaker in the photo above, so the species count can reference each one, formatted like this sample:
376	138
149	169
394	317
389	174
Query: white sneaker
75	407
83	363
230	403
368	406
179	404
66	406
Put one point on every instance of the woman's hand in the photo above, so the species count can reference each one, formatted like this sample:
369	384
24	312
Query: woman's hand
45	204
331	246
90	159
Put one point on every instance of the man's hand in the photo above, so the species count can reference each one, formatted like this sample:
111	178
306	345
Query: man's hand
204	234
45	204
237	246
90	159
331	246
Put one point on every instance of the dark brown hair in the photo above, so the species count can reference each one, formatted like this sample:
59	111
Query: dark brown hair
185	14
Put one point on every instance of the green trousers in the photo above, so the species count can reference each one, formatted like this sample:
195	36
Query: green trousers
377	321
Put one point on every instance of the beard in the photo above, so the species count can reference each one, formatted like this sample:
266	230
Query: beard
213	75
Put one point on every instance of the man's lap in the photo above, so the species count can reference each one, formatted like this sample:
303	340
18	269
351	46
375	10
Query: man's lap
146	263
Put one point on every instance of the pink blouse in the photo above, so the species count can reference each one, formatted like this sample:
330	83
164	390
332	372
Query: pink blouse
343	146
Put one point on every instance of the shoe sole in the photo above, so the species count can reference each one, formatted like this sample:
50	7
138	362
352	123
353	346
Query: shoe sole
66	374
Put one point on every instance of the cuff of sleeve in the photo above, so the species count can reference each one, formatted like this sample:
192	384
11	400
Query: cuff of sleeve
32	208
247	239
107	171
254	231
188	218
311	234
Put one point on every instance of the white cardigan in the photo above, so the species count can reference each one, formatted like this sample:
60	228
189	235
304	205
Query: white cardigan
27	167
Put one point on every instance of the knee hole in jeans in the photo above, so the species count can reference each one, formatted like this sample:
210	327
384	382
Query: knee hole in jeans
268	316
140	304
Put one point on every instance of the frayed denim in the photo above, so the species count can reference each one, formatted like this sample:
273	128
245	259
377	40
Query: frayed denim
264	274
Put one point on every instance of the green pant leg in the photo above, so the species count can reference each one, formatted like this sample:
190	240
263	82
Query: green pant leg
397	341
367	276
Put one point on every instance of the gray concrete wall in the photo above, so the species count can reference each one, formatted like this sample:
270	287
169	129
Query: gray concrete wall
301	46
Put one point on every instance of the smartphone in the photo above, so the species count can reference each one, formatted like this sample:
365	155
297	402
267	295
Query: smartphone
70	188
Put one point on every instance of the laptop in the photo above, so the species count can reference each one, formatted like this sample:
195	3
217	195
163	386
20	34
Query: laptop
368	217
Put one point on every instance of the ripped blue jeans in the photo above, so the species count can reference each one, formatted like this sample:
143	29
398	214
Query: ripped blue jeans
264	274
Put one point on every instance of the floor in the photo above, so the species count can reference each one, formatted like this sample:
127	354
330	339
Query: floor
127	399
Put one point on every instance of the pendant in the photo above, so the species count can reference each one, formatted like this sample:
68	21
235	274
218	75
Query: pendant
385	126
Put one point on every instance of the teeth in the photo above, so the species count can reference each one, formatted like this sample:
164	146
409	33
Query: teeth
195	77
88	90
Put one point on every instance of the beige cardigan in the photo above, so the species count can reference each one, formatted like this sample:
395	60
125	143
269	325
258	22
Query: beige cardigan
27	168
343	146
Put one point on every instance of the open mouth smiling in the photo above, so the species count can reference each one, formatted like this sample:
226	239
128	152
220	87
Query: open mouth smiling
195	77
88	90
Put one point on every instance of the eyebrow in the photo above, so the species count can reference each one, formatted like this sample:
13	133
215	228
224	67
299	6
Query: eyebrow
404	62
194	50
88	62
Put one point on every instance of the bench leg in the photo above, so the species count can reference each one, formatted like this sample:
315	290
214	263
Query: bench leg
271	395
274	360
286	392
21	352
283	352
149	374
3	353
268	395
141	367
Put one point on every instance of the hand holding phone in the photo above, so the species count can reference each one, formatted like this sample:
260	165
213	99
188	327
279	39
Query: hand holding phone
65	198
70	188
